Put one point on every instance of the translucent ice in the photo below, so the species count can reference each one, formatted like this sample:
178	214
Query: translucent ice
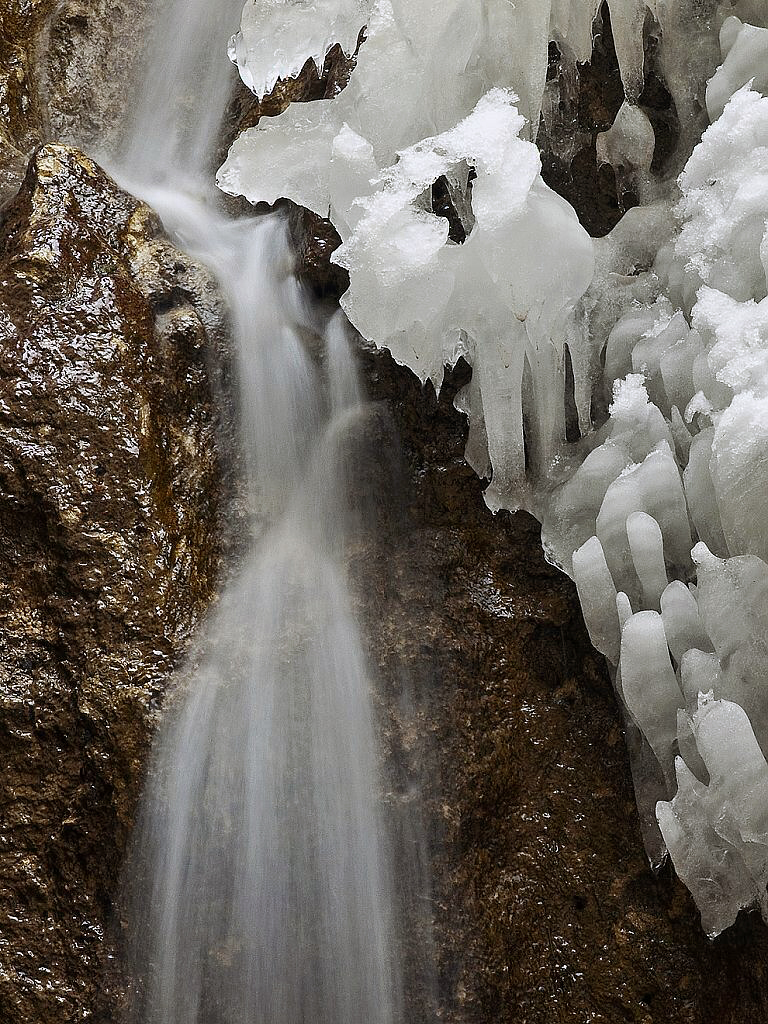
415	291
712	868
650	688
686	441
717	833
628	147
278	37
682	624
598	598
745	48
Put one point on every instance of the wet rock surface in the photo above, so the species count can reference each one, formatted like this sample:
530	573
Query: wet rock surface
66	67
110	485
110	491
91	52
22	114
545	908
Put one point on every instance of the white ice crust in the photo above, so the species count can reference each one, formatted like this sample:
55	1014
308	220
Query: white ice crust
659	510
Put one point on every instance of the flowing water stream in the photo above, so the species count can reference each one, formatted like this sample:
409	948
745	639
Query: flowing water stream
261	885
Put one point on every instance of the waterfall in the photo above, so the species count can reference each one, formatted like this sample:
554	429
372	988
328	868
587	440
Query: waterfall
260	886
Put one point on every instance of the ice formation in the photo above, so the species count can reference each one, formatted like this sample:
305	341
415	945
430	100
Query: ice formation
278	37
371	157
684	456
658	511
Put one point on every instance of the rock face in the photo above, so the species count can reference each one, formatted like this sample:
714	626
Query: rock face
498	716
65	72
545	909
90	54
22	117
110	482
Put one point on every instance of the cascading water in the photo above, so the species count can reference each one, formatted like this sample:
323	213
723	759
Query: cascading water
261	887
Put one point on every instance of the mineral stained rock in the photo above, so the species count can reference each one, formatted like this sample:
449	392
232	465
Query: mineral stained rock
65	72
109	552
89	55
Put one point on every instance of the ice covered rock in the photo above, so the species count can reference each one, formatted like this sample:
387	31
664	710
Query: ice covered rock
278	37
713	869
694	406
717	834
628	147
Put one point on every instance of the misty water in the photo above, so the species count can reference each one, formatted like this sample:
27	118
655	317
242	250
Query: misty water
260	887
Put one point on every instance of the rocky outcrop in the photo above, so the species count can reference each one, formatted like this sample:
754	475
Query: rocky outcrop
91	52
65	71
110	489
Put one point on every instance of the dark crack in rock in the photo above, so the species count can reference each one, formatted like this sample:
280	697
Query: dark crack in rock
578	109
110	487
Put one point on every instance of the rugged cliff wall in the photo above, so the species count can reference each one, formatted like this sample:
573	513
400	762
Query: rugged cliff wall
110	484
114	469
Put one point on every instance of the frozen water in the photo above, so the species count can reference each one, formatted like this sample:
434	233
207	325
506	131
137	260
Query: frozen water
664	323
628	146
418	293
745	48
277	37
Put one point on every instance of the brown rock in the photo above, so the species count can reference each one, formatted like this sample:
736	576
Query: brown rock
110	486
22	118
90	54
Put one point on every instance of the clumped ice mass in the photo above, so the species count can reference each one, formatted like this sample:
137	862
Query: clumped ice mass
293	31
658	511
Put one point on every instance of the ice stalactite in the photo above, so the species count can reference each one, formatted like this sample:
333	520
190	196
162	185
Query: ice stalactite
658	510
692	369
412	289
